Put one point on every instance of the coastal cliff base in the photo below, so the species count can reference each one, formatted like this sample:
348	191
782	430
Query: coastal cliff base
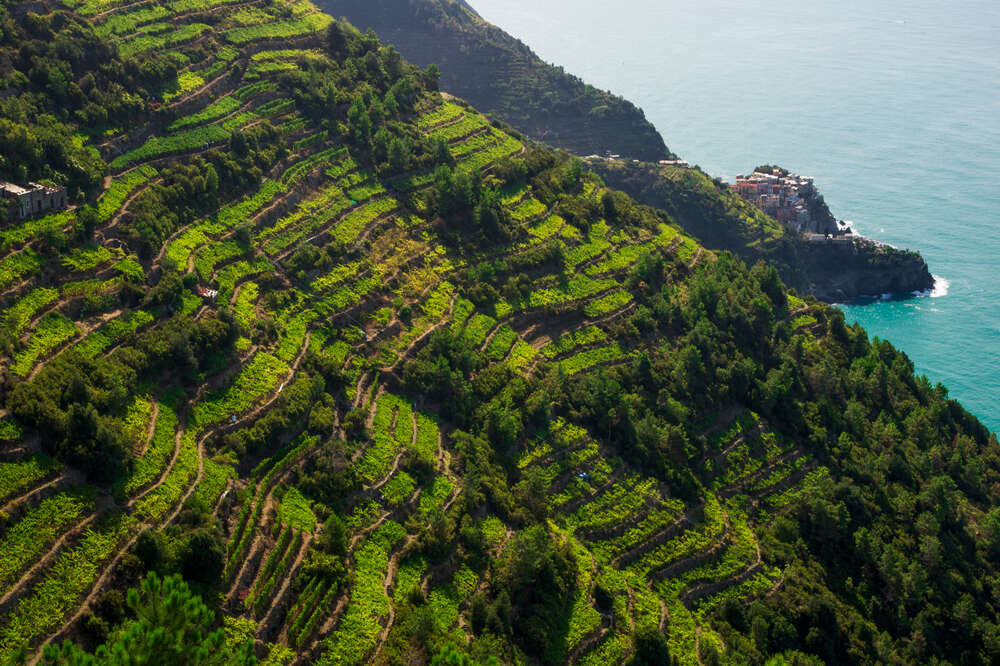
840	271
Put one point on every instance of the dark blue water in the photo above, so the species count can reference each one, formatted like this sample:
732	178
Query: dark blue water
892	105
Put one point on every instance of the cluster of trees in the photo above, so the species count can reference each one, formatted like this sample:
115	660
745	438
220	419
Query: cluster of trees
462	196
44	148
194	188
531	591
364	91
76	404
166	623
66	77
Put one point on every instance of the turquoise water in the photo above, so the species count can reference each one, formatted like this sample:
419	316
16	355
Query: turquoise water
892	105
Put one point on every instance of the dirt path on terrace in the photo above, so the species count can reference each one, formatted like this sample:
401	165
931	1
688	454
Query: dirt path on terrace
84	329
281	596
64	477
387	586
147	440
19	588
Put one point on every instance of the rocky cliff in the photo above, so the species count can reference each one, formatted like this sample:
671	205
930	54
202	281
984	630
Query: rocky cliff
839	271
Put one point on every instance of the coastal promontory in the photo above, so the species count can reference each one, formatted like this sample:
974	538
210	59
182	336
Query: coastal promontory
813	253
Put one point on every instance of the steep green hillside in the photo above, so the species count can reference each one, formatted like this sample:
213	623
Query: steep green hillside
324	368
705	208
502	77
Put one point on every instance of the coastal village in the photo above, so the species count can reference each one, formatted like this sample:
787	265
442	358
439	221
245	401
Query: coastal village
781	197
790	199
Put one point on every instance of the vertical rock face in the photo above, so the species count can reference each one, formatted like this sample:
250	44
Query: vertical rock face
501	76
844	271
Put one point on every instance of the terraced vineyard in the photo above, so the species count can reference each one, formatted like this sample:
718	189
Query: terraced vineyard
388	381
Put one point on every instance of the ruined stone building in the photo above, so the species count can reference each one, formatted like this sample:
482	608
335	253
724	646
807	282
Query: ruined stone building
35	199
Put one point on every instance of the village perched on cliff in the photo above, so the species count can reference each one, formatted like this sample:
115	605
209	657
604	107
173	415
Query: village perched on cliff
792	200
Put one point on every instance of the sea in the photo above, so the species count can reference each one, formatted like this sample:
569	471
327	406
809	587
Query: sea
893	106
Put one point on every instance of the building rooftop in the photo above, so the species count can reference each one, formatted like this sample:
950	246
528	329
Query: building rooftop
48	189
12	188
17	190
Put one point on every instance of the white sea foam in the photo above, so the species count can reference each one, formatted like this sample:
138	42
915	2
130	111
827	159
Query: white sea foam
939	289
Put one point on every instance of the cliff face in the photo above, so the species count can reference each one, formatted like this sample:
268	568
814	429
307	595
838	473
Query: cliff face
501	76
843	271
832	271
